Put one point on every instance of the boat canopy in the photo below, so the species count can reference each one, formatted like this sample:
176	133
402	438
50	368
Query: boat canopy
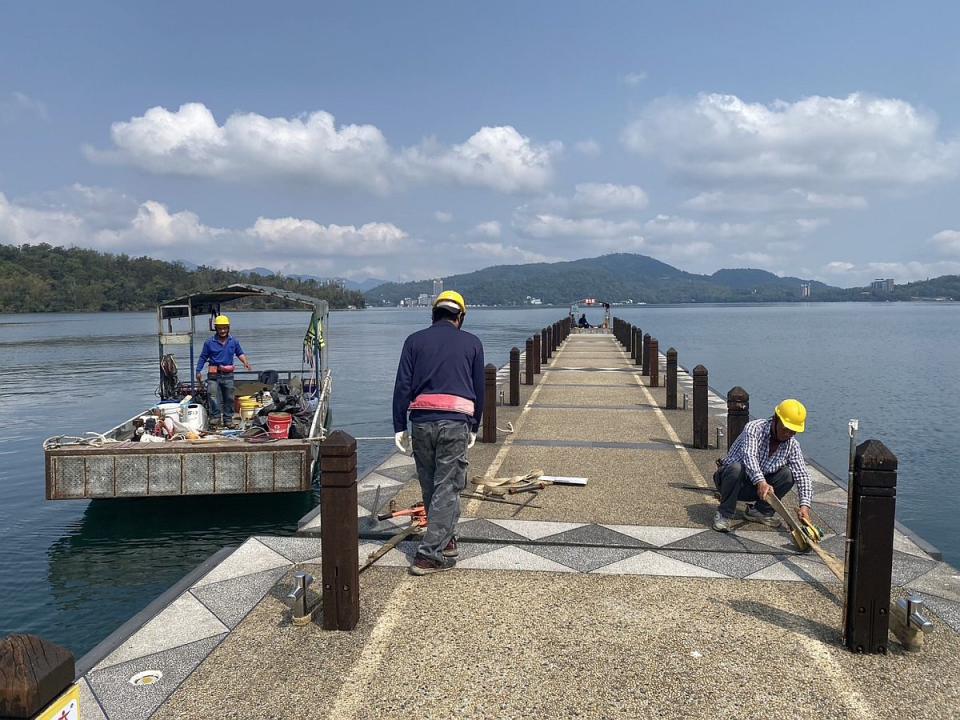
209	301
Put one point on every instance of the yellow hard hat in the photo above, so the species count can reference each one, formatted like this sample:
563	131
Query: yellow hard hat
792	414
221	320
452	300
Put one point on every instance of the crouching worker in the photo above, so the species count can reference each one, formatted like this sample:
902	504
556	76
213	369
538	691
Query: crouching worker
440	383
765	458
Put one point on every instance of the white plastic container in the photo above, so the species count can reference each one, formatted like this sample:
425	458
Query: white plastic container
169	409
193	416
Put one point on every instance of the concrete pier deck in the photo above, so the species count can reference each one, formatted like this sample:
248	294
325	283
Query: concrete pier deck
613	600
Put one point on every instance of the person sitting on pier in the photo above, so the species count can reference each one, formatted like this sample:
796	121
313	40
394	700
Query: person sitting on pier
765	458
219	352
440	381
582	322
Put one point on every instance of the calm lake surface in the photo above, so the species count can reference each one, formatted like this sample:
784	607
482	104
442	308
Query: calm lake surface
73	571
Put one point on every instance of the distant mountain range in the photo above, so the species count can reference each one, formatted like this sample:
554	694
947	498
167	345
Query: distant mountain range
357	285
612	278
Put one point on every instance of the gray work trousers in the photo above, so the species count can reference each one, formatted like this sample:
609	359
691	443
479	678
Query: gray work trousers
734	484
440	451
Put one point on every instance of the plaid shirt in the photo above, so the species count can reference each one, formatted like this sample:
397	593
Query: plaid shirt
752	450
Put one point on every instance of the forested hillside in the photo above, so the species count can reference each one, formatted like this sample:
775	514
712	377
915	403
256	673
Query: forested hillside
43	278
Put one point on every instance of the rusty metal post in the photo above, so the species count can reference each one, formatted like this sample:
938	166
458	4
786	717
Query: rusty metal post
528	362
654	362
515	376
33	673
872	499
671	379
701	430
339	530
536	353
645	355
738	413
489	404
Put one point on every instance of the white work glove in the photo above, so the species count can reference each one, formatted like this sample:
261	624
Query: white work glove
402	441
472	440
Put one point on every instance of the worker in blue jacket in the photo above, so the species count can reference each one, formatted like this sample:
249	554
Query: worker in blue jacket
218	352
440	383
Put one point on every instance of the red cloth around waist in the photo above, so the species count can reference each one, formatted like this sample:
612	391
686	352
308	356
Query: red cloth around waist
439	401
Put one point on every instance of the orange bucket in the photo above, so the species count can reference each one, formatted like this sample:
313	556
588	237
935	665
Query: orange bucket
278	424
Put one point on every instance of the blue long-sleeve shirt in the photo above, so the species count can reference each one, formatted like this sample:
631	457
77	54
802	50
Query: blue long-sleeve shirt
217	353
439	359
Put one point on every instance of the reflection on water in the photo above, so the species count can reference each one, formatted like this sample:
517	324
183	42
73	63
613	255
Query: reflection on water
73	571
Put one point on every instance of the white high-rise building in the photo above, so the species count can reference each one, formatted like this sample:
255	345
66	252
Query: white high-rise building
437	286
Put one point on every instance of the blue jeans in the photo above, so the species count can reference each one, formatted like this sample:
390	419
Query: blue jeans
220	392
440	451
734	484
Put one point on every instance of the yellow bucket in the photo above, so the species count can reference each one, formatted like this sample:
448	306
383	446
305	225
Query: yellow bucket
248	407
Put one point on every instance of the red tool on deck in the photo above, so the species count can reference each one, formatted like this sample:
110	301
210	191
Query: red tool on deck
416	512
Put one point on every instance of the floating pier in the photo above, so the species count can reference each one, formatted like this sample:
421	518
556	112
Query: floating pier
613	599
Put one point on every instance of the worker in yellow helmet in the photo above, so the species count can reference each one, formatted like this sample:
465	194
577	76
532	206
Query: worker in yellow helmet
219	352
440	384
765	459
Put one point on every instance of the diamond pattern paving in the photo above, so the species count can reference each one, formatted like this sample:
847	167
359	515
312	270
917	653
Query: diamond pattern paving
653	563
737	565
719	542
594	535
583	559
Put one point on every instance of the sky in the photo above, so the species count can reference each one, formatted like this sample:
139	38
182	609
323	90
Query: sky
405	141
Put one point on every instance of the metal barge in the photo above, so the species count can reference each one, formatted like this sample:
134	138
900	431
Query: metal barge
118	464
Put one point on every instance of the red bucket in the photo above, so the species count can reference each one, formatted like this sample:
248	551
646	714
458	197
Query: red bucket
278	423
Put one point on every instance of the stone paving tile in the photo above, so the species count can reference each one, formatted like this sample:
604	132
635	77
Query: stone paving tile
396	460
594	535
295	549
512	558
89	705
183	621
831	515
737	565
942	581
773	538
905	545
123	701
251	557
796	569
401	473
714	541
946	610
231	600
907	568
375	480
583	559
653	535
836	496
480	529
653	563
534	530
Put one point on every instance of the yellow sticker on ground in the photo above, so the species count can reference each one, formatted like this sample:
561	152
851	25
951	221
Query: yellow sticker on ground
65	707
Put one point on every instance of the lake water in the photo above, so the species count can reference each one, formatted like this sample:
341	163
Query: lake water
73	571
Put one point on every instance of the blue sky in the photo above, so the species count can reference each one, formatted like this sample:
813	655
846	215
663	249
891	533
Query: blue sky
404	141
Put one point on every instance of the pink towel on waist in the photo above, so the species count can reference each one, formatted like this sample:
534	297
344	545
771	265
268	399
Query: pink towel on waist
445	403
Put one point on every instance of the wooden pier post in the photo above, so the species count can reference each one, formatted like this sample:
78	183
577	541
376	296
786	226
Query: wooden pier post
645	355
489	404
536	353
33	672
550	348
528	362
654	362
544	347
339	530
872	498
738	413
638	346
701	434
515	376
671	379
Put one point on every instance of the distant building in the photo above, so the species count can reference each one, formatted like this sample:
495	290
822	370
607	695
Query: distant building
805	290
437	286
882	285
423	300
534	300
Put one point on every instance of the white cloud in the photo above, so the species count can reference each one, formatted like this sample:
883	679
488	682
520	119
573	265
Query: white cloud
189	141
442	216
755	259
490	229
501	253
294	235
588	147
603	197
947	242
548	226
634	78
675	226
854	139
786	200
17	105
849	274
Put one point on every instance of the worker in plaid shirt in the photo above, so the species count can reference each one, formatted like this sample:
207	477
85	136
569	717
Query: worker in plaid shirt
765	458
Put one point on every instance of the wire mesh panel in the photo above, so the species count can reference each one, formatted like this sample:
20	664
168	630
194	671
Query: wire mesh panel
198	474
288	470
230	472
131	475
164	474
259	472
70	476
100	476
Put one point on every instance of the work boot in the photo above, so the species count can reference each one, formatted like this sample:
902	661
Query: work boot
451	550
426	566
721	523
756	516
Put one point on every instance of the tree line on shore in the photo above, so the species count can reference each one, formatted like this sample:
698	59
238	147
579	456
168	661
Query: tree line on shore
45	278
